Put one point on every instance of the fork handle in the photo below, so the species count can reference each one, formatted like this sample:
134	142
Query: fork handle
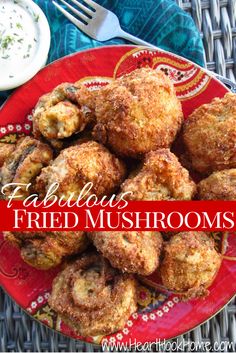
133	39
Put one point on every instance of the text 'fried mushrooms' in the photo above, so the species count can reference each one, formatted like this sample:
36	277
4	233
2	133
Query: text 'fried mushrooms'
78	165
92	297
162	177
44	250
25	164
210	135
190	264
132	252
218	186
137	113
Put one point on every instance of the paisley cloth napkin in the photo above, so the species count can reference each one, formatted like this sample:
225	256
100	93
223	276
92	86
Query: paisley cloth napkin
160	22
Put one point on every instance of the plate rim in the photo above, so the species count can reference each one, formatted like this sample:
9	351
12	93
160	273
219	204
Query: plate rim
100	343
205	70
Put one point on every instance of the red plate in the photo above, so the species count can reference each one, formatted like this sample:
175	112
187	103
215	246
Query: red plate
161	315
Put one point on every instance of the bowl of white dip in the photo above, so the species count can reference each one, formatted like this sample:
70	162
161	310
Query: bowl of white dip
24	42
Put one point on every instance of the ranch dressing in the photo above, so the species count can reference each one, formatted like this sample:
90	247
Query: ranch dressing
18	38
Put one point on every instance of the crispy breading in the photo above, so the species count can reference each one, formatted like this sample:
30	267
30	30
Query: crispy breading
62	112
80	164
86	98
130	251
218	186
137	113
44	250
209	135
23	166
6	149
92	297
162	177
190	264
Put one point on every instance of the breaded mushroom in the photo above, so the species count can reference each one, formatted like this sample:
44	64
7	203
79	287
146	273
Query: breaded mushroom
137	113
23	166
79	165
60	121
218	186
209	135
6	149
62	112
130	251
44	250
190	264
162	177
92	297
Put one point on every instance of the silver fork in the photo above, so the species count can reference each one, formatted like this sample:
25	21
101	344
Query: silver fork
102	25
98	23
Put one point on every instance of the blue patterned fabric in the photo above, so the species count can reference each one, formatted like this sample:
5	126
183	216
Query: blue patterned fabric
160	22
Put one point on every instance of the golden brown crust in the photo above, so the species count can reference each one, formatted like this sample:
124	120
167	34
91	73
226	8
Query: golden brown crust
86	98
44	250
132	252
62	112
6	149
210	133
92	297
190	264
78	165
22	166
161	178
137	113
218	186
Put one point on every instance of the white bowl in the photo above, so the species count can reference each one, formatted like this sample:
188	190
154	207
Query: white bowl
24	42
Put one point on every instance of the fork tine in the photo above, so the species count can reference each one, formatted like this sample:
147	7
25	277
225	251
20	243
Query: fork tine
84	8
93	4
78	13
74	20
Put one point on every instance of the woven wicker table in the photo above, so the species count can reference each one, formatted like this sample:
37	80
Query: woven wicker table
216	20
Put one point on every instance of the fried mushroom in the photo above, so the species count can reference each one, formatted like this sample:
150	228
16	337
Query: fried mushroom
130	251
137	113
218	186
44	250
162	177
23	166
209	135
78	165
92	297
190	264
62	112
